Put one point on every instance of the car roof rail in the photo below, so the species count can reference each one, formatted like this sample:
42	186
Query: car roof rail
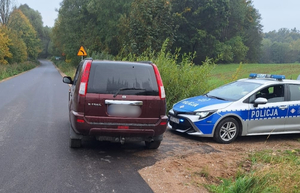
90	58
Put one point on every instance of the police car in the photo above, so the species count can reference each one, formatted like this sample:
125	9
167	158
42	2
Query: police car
259	105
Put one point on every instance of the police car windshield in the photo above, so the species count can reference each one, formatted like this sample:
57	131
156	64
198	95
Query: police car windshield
233	91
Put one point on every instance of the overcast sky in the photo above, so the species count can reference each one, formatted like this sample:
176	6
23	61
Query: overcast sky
275	14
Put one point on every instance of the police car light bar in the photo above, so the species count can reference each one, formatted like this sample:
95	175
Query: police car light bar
277	77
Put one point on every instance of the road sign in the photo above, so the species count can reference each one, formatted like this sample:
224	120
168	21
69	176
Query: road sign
81	52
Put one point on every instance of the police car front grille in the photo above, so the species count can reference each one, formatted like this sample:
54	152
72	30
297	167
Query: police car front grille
180	127
186	126
185	113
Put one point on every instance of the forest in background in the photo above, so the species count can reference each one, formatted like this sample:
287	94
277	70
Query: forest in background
227	31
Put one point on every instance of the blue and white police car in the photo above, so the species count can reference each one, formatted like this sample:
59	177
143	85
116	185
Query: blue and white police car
259	105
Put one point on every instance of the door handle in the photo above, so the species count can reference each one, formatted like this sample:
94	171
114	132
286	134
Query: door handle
283	107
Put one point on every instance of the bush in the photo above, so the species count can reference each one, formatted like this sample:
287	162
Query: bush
67	68
181	78
14	69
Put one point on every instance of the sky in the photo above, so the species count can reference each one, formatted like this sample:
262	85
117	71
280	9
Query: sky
45	7
275	14
278	14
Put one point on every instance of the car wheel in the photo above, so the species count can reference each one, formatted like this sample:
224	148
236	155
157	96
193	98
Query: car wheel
227	131
75	143
152	144
75	139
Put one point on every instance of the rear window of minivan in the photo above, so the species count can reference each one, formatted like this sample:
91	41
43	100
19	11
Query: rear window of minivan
110	77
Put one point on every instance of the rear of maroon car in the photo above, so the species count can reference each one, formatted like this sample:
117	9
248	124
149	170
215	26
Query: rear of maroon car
117	101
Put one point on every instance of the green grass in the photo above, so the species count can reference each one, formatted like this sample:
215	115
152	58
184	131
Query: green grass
222	73
66	68
9	70
271	171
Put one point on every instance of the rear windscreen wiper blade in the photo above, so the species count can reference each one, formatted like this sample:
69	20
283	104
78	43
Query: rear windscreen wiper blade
121	89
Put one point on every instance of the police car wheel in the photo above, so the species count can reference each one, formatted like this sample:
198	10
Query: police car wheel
227	130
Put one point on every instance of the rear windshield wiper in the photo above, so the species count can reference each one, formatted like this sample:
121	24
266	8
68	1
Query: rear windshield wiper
121	89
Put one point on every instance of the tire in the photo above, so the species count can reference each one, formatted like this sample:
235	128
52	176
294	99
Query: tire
75	139
152	144
75	143
227	131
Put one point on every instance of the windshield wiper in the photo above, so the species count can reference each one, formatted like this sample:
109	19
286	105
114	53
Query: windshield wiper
121	89
215	97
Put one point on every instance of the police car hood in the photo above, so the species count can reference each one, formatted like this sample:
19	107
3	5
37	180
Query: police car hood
200	103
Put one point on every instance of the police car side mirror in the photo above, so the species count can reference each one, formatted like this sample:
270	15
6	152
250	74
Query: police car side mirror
260	101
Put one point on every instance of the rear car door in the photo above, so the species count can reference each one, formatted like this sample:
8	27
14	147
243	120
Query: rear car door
117	90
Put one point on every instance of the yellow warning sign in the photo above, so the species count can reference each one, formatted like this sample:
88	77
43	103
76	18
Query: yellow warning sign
81	52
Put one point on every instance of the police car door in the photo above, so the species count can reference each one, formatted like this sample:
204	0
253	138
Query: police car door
292	120
270	117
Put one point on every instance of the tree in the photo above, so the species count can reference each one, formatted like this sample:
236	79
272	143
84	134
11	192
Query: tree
17	47
200	23
68	31
282	46
5	10
34	18
244	22
19	23
105	21
92	24
266	56
252	32
43	33
4	49
280	52
46	41
234	50
148	25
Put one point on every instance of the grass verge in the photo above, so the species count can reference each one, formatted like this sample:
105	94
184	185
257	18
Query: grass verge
271	171
9	70
66	68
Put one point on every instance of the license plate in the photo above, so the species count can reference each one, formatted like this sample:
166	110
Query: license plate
175	120
124	110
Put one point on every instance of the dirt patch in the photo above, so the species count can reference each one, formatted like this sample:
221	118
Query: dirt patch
187	169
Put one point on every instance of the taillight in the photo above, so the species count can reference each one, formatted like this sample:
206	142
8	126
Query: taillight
85	78
161	88
80	121
163	123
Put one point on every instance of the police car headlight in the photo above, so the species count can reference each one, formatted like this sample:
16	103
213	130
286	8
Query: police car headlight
204	114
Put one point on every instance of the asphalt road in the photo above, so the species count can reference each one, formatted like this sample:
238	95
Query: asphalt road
34	133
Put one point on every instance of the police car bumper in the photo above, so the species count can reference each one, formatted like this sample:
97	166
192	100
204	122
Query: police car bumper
185	123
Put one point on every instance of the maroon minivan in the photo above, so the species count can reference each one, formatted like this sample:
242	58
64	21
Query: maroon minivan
117	101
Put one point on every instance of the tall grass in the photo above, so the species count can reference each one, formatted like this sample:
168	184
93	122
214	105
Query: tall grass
65	67
9	70
181	77
272	171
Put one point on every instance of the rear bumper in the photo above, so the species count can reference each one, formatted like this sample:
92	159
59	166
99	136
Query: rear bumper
131	128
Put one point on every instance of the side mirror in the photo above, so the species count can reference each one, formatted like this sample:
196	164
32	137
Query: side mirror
67	80
260	101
